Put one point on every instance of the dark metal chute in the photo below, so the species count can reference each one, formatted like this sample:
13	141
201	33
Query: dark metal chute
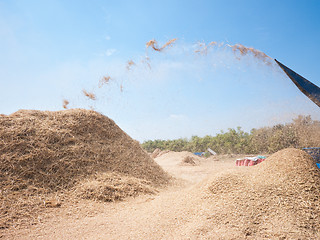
311	90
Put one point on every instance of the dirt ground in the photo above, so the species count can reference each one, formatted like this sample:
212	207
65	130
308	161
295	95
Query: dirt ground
177	212
209	199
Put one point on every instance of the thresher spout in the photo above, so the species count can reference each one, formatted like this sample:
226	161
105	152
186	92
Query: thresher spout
311	90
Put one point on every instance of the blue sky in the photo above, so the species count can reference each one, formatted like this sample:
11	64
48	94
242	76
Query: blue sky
51	50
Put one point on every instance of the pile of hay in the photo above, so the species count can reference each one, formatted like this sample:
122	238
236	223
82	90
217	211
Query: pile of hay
157	153
277	198
189	160
173	159
44	152
111	186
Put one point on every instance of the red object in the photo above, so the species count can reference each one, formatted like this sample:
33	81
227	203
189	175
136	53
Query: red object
251	163
246	162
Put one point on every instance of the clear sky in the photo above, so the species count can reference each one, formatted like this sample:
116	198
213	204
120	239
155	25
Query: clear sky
51	50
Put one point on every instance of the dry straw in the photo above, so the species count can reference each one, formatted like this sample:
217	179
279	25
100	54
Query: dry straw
90	95
203	48
130	63
65	103
111	186
189	160
104	80
43	154
278	197
146	60
243	50
153	43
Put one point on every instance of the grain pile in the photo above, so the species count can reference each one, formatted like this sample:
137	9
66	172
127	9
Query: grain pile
111	186
183	158
189	160
43	153
158	152
155	153
278	198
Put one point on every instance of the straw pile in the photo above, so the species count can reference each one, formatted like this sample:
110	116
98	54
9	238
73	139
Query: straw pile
158	152
45	152
155	153
170	158
111	186
276	198
189	160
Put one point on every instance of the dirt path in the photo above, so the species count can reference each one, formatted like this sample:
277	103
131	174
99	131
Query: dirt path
178	212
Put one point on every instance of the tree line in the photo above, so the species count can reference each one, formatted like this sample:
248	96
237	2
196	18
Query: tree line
301	132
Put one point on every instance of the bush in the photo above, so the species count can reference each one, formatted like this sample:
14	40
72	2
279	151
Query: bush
302	132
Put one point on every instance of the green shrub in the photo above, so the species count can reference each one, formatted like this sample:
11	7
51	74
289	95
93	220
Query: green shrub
301	132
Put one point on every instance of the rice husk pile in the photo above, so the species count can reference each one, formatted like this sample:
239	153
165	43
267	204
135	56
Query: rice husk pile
183	158
163	152
278	198
43	153
158	153
155	153
111	186
189	160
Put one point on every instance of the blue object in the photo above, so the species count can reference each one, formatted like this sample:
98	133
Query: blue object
199	153
314	153
311	90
